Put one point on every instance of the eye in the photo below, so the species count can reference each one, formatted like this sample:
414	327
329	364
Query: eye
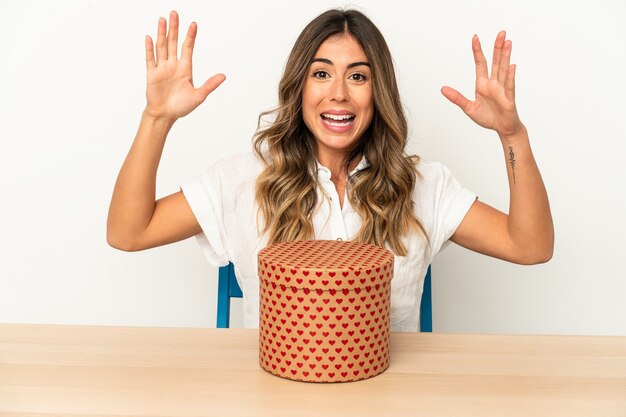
320	74
358	77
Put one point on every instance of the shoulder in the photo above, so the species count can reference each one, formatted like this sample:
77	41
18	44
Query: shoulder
432	172
436	184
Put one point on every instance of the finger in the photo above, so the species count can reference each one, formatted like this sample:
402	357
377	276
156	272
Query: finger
497	54
505	61
207	88
172	36
509	84
161	46
455	97
479	58
149	53
190	40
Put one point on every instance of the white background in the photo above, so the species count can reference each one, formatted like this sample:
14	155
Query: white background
72	85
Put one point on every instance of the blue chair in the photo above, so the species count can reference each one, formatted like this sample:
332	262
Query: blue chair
228	288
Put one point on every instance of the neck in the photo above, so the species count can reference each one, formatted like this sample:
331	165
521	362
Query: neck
336	165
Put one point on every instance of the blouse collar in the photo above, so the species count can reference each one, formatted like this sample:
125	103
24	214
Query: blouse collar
325	172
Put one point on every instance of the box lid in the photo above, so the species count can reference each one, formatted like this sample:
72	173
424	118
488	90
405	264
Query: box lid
325	265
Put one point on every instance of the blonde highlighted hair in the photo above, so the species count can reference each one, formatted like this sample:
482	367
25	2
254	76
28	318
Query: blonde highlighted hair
286	190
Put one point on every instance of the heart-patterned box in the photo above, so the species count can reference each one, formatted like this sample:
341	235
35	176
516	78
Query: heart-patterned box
324	310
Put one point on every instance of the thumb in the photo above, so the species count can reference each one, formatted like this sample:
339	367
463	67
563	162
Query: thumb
455	97
207	88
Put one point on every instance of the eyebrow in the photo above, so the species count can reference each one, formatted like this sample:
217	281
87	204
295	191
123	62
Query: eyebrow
329	62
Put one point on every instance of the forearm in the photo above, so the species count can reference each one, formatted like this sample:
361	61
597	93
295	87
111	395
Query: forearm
134	195
530	220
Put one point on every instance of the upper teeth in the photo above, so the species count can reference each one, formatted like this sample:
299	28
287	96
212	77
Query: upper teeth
338	116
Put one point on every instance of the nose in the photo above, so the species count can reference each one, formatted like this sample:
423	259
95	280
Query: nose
339	90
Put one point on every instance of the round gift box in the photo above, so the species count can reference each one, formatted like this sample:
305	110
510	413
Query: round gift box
324	310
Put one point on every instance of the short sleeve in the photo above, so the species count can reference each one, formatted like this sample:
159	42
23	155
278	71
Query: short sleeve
222	199
444	202
204	196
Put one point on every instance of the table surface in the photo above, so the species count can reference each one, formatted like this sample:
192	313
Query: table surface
52	370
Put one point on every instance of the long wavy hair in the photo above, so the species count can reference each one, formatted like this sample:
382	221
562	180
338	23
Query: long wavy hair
286	190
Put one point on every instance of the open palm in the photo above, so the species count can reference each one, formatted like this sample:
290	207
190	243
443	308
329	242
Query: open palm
494	105
170	92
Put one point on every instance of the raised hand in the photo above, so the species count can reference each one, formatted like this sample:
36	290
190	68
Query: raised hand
494	105
170	92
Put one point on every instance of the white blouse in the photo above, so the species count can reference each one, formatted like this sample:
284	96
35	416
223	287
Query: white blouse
222	199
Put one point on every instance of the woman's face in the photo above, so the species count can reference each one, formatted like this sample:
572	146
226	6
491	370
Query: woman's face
337	102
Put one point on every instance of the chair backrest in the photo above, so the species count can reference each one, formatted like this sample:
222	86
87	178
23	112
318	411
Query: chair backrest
228	288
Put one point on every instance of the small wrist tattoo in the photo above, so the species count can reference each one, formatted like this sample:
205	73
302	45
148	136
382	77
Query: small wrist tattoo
512	162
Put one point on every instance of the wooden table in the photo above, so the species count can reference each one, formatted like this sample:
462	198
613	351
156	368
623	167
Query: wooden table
48	370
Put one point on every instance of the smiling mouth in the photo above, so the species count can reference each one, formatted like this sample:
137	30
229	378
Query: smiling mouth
337	120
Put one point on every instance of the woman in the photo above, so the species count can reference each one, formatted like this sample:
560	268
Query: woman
330	166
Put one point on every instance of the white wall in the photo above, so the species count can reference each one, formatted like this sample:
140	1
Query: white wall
71	93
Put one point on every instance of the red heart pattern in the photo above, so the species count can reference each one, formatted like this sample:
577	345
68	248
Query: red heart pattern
324	310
